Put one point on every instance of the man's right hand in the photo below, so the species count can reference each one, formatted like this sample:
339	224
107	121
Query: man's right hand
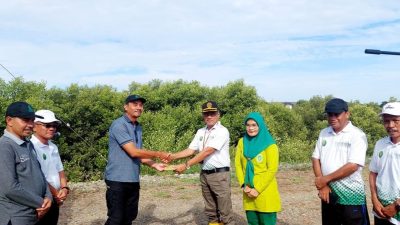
44	209
378	207
165	157
323	193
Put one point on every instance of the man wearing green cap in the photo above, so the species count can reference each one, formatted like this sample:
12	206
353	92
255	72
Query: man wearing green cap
24	194
211	143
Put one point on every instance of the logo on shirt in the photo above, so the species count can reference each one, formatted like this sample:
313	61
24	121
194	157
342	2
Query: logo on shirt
24	157
201	138
44	156
259	158
323	142
380	154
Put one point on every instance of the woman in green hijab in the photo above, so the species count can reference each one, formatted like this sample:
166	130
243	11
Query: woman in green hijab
257	161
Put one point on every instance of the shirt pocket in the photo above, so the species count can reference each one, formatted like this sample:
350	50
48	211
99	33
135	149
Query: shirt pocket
22	161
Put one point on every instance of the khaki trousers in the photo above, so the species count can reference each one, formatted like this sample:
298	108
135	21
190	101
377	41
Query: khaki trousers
216	190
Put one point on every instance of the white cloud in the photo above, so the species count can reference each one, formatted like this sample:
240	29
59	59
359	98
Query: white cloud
273	45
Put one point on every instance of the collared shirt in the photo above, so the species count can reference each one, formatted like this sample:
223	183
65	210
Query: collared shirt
334	150
23	185
218	138
120	166
50	161
386	163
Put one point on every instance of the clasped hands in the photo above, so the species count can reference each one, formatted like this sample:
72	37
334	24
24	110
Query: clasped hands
45	207
384	211
251	192
321	183
166	158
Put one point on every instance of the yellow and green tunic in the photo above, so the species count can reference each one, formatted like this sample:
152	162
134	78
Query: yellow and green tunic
265	167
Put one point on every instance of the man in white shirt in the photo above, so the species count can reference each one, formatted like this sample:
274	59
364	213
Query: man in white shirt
384	176
338	160
49	158
211	143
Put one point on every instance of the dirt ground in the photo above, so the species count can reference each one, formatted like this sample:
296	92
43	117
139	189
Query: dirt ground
176	200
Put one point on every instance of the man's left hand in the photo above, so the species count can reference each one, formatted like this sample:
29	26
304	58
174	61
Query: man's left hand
180	168
159	166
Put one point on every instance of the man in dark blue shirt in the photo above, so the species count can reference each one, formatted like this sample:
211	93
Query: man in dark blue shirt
125	154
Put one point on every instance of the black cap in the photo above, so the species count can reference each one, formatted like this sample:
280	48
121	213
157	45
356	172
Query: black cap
209	106
336	105
21	110
132	98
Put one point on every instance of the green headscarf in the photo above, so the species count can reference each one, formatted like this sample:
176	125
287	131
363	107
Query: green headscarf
254	145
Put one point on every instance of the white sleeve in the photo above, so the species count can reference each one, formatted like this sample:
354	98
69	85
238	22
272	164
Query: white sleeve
317	150
195	142
358	149
373	165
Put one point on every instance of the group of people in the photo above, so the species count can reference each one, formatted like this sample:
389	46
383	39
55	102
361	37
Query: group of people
338	159
32	178
33	183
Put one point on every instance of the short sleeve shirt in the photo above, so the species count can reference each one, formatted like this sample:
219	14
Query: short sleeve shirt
120	166
218	138
334	150
386	163
50	161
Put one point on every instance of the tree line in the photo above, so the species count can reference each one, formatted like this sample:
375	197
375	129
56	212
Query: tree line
172	116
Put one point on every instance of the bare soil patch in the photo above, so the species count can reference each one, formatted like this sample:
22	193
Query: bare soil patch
177	200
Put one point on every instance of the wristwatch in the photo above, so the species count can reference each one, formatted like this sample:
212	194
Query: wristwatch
397	205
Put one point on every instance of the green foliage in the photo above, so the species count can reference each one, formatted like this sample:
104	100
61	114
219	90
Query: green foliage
284	123
172	116
366	118
295	151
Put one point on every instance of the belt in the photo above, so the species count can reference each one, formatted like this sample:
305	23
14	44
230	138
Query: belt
216	170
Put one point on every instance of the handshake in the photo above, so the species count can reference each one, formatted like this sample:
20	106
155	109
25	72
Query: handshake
167	157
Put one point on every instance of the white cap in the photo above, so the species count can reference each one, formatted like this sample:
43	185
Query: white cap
391	108
48	116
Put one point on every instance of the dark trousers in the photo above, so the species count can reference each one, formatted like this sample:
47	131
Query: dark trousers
337	214
378	221
122	202
51	217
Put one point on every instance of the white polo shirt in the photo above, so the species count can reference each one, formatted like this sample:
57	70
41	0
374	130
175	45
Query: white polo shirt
218	138
50	161
386	163
334	150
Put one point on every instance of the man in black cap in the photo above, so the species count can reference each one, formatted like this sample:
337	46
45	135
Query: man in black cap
211	143
125	154
24	194
338	159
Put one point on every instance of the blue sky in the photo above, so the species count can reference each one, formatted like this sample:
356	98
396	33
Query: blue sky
288	50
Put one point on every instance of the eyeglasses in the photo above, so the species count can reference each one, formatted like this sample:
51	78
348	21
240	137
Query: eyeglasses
49	125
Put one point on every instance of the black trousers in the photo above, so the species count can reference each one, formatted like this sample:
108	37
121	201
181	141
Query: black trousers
337	214
378	221
122	202
51	217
